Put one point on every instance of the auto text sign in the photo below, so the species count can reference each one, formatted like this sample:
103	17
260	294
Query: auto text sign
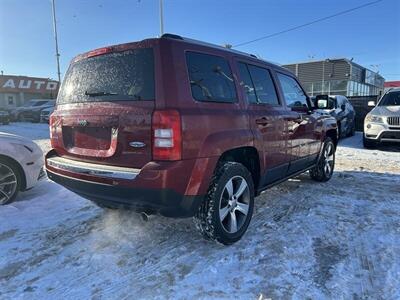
14	84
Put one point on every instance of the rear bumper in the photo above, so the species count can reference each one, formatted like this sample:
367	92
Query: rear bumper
171	189
164	202
84	168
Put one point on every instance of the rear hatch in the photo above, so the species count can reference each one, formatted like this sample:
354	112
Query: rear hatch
104	108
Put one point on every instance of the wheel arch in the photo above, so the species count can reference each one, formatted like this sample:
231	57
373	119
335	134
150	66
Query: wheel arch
19	168
247	156
332	133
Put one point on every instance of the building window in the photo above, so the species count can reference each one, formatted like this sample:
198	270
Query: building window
10	100
308	87
317	88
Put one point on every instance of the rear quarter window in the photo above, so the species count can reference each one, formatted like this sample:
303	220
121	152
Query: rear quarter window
210	78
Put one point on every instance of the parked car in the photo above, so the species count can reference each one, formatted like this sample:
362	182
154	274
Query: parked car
45	114
382	123
31	110
340	108
4	117
184	128
21	166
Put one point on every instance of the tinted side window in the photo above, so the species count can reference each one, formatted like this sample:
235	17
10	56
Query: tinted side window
210	78
294	95
247	84
264	86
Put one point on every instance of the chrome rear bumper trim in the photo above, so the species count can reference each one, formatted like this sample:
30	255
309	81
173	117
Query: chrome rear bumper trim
92	169
390	140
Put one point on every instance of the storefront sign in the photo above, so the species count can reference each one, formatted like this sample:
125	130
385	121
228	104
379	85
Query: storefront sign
15	84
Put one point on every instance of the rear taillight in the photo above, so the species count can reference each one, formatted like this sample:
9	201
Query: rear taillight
53	129
167	135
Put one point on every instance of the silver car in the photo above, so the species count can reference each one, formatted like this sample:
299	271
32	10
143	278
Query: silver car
45	114
21	166
382	124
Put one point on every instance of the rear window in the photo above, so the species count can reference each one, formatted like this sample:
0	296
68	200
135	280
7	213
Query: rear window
127	75
210	78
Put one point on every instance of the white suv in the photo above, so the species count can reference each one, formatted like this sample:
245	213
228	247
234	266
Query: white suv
382	124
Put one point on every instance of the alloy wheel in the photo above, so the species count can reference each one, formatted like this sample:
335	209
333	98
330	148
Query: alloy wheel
328	159
8	183
234	204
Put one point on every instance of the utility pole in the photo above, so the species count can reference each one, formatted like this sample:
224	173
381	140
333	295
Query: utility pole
323	77
161	18
56	40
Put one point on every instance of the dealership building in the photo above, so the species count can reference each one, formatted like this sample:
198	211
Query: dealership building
16	90
337	77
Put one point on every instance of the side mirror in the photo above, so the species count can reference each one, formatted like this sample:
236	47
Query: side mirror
343	107
371	103
322	104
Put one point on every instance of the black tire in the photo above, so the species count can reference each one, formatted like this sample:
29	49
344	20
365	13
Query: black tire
14	169
368	144
208	218
352	130
323	171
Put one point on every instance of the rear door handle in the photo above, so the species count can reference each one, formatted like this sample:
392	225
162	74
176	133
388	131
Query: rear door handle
262	121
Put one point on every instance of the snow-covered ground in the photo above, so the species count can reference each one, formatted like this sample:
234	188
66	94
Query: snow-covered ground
339	239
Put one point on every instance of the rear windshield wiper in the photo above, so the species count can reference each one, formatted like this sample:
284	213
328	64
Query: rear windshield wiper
100	93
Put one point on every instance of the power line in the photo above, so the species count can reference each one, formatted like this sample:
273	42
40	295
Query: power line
308	23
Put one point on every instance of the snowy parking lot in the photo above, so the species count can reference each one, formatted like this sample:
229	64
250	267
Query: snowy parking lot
339	239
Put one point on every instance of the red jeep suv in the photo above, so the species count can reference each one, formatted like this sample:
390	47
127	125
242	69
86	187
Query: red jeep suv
184	128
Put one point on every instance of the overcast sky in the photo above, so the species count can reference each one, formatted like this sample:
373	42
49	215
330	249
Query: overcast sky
369	35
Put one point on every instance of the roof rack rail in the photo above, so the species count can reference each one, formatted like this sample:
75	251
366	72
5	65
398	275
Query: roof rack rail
252	55
172	36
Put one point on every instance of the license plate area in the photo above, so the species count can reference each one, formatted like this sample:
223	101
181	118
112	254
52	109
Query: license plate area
87	137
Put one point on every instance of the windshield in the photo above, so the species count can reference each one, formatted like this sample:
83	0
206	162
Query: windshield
127	75
391	98
29	103
39	103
